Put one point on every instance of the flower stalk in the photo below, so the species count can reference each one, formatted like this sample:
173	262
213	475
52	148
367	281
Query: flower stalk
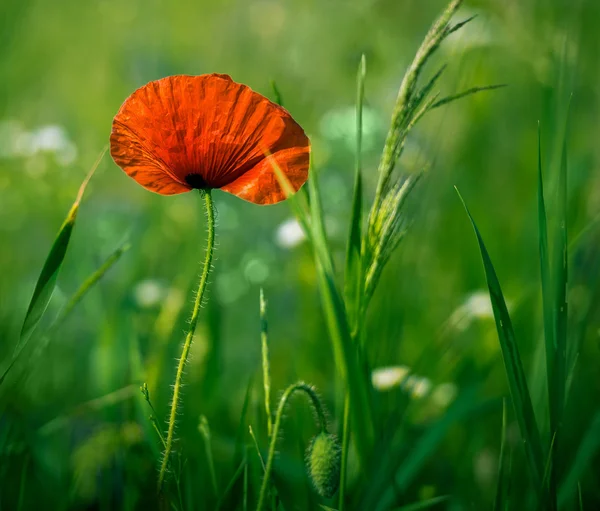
210	243
322	422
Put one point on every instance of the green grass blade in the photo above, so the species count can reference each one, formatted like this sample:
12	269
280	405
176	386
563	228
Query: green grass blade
345	353
548	312
276	93
236	475
586	453
47	280
501	488
463	94
90	282
424	447
560	280
514	367
240	437
204	429
353	272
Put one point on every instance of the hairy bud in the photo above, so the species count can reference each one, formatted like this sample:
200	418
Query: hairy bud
323	463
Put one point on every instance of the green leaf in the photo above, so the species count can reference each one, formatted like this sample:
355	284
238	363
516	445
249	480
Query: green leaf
47	280
353	272
513	365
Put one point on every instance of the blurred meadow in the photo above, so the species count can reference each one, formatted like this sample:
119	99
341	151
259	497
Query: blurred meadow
74	427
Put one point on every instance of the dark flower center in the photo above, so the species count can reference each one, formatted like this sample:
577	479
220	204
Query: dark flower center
195	181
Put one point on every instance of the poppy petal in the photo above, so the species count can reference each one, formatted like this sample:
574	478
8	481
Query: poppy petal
184	132
129	153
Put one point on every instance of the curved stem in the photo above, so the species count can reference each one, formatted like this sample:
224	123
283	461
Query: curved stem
210	242
309	391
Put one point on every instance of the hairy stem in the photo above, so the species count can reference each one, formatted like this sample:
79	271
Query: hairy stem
210	242
310	392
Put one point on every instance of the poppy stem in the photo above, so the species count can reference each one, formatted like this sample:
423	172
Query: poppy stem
320	418
210	243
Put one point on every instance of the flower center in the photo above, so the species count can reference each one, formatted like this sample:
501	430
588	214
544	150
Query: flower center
195	181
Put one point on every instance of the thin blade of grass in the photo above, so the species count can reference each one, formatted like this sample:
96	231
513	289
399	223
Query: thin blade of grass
276	93
204	429
513	365
92	280
587	451
560	278
47	280
469	92
353	271
236	475
501	488
548	312
425	447
240	437
91	406
345	353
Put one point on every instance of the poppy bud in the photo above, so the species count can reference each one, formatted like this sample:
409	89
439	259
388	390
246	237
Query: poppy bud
323	463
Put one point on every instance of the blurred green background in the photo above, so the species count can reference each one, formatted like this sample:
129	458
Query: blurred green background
66	67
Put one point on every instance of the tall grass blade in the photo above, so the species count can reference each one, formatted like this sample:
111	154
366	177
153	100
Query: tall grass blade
501	488
353	271
47	280
240	437
513	365
236	475
345	353
90	282
425	446
548	312
586	453
204	429
560	278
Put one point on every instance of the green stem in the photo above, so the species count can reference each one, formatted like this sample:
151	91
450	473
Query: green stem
309	391
210	242
265	360
345	447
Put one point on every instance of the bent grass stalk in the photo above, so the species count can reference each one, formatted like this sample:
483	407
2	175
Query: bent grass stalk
310	392
210	242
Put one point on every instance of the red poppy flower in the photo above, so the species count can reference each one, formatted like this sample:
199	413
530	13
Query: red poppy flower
184	132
